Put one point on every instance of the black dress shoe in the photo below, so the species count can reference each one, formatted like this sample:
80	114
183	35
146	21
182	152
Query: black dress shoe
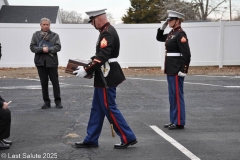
174	126
85	145
167	125
123	145
7	141
46	106
3	145
59	106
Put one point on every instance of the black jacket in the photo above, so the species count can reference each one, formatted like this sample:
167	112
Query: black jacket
108	46
41	58
1	102
175	42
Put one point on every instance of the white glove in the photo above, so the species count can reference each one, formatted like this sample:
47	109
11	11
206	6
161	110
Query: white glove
180	74
165	24
80	72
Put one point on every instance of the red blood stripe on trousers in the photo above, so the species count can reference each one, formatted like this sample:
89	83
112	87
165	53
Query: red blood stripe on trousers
112	116
178	100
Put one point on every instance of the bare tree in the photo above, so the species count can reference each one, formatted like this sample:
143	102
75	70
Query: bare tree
206	7
71	17
237	18
110	18
85	20
187	8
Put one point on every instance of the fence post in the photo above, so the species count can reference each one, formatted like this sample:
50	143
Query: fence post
221	44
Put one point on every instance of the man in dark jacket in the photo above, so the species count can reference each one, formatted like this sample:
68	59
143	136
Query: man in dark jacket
5	121
45	44
5	124
107	51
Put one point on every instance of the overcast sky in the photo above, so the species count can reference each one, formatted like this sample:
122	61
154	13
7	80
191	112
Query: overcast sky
116	7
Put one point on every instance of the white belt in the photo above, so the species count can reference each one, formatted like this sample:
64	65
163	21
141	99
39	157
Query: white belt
112	60
173	54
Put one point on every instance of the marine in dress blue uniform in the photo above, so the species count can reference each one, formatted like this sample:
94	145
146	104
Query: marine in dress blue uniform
107	51
177	60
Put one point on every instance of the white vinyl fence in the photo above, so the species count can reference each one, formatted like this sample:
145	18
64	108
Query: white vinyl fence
211	43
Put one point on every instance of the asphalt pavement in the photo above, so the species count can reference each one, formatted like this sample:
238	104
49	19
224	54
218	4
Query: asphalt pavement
212	130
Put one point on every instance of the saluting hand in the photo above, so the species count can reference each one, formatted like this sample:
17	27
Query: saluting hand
164	25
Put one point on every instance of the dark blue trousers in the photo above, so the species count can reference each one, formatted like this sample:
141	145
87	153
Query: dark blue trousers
99	110
176	99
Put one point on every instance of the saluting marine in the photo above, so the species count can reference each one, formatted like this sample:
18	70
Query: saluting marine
177	59
103	104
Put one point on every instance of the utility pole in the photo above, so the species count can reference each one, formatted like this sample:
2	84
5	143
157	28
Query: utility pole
230	6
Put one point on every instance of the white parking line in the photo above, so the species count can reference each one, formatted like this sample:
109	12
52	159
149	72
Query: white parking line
217	76
202	84
148	79
39	86
175	143
30	79
231	86
214	76
22	87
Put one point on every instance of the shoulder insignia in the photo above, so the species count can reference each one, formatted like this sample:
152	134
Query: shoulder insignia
104	43
183	40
